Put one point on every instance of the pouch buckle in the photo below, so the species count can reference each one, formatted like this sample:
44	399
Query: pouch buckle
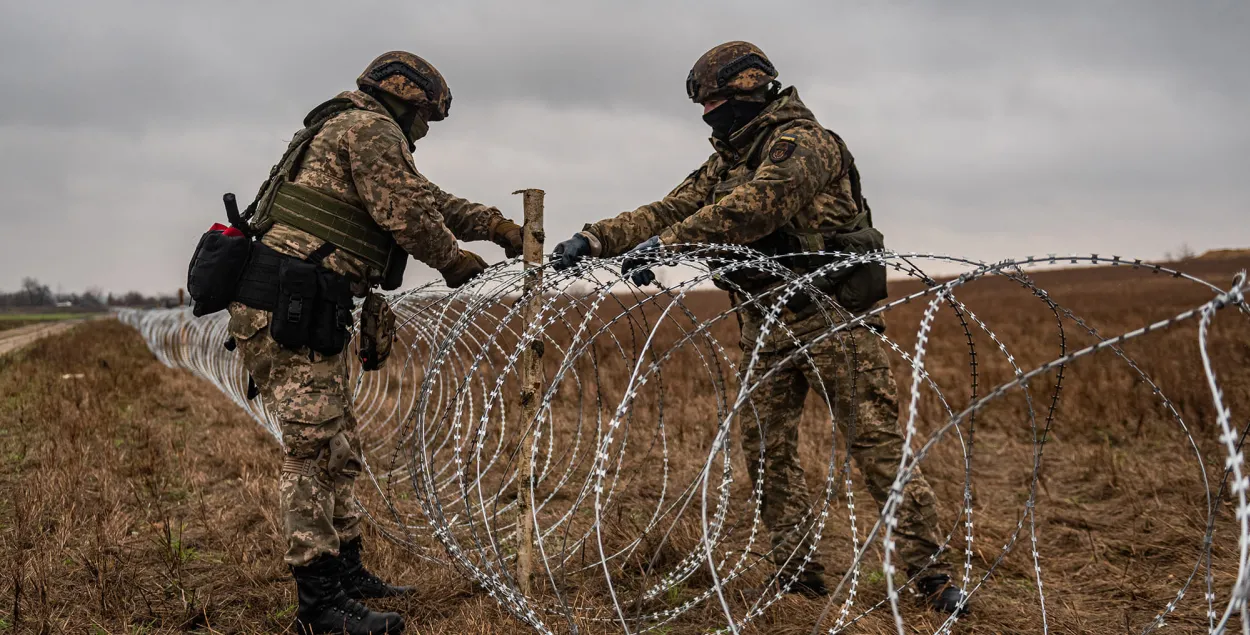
295	309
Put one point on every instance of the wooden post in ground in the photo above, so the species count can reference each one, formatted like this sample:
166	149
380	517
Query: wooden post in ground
531	381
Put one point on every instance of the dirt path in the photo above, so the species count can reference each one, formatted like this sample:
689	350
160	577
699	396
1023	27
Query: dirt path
15	339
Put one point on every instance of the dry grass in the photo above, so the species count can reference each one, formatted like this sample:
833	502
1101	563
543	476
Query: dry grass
137	499
10	321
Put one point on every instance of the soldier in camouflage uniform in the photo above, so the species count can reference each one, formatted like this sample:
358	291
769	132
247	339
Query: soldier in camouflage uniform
360	157
776	176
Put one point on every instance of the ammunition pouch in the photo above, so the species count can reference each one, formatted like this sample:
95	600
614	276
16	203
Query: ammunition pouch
377	332
215	270
856	288
311	306
292	321
860	287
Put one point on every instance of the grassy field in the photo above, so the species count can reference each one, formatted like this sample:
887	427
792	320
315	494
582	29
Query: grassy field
136	499
9	321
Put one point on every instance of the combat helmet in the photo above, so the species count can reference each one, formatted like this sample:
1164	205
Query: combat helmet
411	79
732	68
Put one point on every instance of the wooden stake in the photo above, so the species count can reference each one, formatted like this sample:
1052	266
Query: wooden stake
531	381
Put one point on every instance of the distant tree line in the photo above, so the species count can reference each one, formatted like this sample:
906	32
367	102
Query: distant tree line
36	295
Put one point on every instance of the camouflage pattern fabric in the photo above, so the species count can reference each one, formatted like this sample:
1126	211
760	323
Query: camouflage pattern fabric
784	173
705	83
852	372
435	103
307	393
775	174
361	157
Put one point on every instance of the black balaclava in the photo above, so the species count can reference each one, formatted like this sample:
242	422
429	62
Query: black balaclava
732	115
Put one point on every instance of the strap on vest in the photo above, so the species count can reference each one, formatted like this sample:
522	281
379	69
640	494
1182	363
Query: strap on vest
848	166
345	226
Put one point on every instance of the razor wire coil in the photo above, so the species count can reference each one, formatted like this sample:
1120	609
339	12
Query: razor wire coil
442	441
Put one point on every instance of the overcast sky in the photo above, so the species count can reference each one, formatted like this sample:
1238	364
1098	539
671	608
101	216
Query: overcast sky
985	129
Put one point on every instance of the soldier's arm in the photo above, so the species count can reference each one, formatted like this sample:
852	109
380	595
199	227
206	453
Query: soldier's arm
400	200
625	231
468	221
797	163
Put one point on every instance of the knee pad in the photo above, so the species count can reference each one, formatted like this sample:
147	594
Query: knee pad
338	456
341	456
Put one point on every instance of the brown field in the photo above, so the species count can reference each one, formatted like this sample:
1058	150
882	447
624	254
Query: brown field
136	499
15	320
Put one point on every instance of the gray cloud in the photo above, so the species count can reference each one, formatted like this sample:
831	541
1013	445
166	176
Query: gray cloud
983	128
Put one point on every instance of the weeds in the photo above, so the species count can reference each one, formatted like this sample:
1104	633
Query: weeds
138	500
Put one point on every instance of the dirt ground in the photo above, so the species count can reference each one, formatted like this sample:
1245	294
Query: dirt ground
26	334
136	499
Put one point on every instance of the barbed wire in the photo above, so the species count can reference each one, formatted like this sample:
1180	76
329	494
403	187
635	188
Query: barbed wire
640	512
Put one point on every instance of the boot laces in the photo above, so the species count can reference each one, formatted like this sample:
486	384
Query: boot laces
350	608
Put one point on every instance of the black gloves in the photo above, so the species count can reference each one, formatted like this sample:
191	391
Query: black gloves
570	252
634	265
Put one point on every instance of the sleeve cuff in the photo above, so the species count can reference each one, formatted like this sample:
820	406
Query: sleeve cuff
596	247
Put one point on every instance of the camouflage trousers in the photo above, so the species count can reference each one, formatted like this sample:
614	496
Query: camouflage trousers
307	393
851	372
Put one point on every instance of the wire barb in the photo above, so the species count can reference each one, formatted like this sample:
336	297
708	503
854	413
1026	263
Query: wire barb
629	532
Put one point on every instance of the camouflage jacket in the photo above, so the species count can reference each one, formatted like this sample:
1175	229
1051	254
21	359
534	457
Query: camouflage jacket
361	157
782	172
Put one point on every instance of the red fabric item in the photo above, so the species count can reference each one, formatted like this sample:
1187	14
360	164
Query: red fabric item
228	231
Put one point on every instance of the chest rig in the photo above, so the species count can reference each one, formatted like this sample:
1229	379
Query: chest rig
857	288
345	226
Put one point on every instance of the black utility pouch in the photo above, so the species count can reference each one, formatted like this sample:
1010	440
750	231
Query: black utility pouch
215	269
332	320
863	285
293	317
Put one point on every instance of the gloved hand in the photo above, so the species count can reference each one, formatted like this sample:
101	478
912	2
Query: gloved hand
466	267
633	266
507	234
570	252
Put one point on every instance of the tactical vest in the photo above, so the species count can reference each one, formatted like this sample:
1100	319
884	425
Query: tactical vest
856	288
343	225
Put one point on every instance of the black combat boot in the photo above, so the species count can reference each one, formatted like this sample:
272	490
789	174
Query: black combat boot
940	595
358	582
325	608
809	584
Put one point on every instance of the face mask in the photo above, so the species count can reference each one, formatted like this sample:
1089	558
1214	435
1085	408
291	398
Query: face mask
731	116
721	119
417	129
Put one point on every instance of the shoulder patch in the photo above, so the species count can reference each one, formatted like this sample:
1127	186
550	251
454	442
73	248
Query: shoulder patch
782	148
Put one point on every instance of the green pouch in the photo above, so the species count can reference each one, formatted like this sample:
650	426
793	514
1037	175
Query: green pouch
377	332
858	288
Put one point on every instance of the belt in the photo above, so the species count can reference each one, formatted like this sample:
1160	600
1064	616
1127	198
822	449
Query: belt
258	287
